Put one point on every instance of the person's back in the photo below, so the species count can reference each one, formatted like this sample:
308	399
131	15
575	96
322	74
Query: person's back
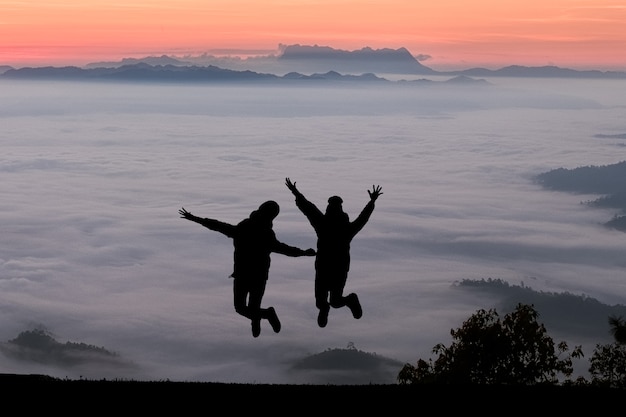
253	243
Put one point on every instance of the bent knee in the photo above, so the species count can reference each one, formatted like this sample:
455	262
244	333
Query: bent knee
337	302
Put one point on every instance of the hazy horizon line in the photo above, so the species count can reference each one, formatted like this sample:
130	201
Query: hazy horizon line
250	54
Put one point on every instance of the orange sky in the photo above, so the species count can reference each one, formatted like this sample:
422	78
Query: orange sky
455	34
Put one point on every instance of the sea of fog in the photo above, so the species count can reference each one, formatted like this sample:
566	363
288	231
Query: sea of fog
93	250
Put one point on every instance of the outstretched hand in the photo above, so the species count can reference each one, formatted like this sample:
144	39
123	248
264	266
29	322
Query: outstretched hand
185	214
375	193
291	185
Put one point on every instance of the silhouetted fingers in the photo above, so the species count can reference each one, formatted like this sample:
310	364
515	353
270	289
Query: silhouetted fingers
290	185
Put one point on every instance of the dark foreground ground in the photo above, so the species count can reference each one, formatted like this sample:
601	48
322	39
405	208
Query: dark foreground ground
40	393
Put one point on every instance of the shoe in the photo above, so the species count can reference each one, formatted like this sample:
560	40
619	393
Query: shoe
256	328
273	319
354	305
322	317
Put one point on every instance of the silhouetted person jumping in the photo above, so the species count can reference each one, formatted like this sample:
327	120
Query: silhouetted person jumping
332	263
254	240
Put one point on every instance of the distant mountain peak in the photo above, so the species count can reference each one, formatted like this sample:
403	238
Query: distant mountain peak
366	59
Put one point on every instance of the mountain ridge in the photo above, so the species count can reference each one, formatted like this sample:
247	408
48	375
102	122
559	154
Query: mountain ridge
309	60
142	72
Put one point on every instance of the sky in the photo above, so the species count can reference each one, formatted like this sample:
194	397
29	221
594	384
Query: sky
445	34
93	248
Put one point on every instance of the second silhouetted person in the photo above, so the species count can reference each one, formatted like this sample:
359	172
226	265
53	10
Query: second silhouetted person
334	232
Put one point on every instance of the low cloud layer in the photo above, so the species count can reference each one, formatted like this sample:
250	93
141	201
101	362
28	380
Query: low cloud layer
93	248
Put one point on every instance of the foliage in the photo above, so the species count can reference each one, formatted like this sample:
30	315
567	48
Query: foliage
618	329
608	365
487	350
565	312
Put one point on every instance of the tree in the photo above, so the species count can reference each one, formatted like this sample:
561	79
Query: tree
486	350
618	329
608	362
608	365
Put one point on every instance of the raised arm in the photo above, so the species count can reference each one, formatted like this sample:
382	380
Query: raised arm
367	211
216	225
309	209
292	187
